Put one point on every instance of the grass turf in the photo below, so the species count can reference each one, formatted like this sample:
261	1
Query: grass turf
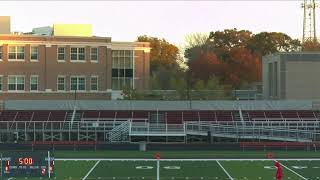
246	170
191	170
307	169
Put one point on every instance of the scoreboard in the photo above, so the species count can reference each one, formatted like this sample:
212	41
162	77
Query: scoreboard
27	164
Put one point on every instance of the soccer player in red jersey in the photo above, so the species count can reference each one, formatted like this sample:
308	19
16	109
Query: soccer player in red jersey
279	175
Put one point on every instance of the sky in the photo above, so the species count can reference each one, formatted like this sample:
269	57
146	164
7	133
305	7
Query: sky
172	20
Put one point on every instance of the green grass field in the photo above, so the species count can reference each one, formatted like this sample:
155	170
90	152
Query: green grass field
100	165
183	169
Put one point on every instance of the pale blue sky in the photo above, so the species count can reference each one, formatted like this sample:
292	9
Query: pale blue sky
124	21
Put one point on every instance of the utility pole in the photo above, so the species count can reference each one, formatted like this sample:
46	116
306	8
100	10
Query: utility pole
309	21
189	89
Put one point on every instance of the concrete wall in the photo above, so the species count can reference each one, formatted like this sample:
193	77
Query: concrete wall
303	80
271	77
297	76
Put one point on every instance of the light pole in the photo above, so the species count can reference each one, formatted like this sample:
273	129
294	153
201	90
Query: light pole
189	88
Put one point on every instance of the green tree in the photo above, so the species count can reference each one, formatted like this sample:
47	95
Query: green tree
271	42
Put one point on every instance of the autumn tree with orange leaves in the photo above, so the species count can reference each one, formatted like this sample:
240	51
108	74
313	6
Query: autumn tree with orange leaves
234	56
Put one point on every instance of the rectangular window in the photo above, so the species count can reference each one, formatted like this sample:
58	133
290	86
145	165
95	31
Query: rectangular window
61	81
94	54
115	84
78	83
16	53
115	62
61	53
78	54
129	73
34	81
94	83
81	83
128	63
74	83
1	83
34	53
1	49
122	69
16	83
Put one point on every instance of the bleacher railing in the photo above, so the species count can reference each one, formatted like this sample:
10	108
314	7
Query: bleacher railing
273	130
250	132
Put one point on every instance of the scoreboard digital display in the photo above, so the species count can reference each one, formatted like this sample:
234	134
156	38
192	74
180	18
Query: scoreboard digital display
27	164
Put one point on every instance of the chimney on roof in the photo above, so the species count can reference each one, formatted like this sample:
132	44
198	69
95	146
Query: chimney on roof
5	25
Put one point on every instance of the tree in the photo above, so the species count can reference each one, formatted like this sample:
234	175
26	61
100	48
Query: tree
311	46
242	67
229	38
234	56
162	52
196	40
205	65
160	79
221	42
271	42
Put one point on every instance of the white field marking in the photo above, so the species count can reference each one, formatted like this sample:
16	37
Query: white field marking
91	170
144	159
225	171
292	170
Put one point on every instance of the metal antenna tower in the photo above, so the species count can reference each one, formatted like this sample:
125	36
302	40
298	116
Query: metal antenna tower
309	20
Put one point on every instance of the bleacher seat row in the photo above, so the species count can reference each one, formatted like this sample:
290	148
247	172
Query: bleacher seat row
171	117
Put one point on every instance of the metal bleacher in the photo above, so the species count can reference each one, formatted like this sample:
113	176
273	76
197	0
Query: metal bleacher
120	125
118	122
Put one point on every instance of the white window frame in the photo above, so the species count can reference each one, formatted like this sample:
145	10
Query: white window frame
1	83
62	60
34	60
77	60
33	76
119	58
96	83
64	83
1	52
16	89
94	60
16	47
85	83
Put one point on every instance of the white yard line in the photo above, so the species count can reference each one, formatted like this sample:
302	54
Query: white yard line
292	171
225	171
91	170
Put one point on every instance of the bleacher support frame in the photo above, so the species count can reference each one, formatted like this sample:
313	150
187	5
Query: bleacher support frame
99	130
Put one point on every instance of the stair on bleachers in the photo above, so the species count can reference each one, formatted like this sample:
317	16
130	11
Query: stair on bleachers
236	116
72	119
246	118
317	115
